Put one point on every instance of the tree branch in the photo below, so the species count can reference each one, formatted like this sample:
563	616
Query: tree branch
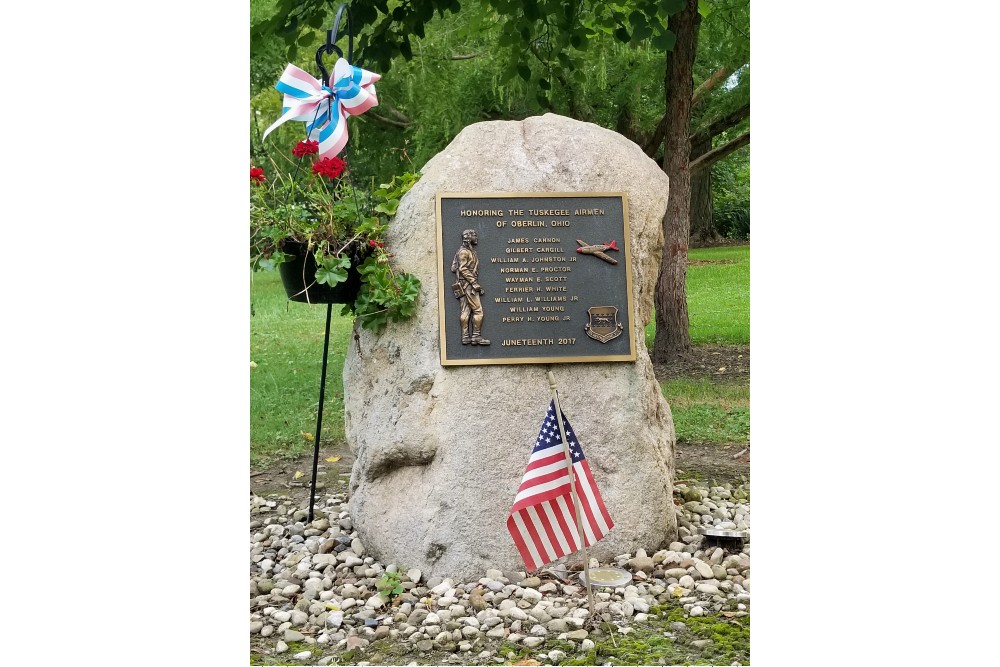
654	143
721	124
699	95
713	156
402	118
700	92
387	121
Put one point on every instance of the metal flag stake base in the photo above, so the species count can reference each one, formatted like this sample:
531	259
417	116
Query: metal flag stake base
610	577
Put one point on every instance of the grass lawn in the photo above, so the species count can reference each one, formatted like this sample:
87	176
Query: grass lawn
286	343
718	296
708	412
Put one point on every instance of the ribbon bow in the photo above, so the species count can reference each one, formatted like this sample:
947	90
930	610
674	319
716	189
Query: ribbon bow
324	110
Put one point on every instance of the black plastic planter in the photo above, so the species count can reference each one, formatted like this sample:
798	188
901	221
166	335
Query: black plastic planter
298	275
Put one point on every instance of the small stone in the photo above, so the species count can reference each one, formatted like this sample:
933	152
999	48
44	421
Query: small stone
641	564
531	595
356	642
256	626
587	645
704	569
707	589
357	547
701	643
534	642
265	586
556	656
425	645
381	632
494	574
697	611
280	647
267	631
532	582
293	636
577	634
335	619
413	574
303	655
281	616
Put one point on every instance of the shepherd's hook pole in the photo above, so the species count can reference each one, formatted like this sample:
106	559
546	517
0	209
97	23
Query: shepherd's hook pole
319	413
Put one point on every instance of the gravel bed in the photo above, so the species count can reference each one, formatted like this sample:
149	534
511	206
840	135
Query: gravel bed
315	584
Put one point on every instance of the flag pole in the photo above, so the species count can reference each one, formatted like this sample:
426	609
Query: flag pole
576	497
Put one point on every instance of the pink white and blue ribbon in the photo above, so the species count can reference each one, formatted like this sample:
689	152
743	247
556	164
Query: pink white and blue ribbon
324	109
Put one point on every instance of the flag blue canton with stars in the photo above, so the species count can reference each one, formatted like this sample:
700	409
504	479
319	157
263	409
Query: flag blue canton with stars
549	435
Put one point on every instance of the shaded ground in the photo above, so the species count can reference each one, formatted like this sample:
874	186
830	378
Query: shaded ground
708	462
719	363
280	476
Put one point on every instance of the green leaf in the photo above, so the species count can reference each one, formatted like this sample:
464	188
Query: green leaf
621	34
524	71
673	6
544	84
326	276
389	207
665	40
641	32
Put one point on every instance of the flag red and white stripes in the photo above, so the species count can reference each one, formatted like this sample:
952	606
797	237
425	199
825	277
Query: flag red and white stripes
543	520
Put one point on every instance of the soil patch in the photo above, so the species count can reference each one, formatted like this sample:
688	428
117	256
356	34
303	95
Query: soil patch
282	476
717	243
712	462
719	363
705	262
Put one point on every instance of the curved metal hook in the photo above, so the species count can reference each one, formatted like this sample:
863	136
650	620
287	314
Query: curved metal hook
331	45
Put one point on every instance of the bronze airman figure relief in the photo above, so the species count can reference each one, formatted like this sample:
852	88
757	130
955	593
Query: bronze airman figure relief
467	289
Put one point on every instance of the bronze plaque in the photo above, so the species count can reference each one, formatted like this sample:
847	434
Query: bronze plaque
530	277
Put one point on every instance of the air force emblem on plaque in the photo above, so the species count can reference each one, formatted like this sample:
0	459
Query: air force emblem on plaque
603	324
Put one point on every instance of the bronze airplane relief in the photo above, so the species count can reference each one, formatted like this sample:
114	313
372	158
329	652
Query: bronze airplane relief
597	250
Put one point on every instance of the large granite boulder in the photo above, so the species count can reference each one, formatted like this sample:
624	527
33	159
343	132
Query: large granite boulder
441	451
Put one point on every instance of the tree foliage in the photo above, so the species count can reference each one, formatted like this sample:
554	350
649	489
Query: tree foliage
449	63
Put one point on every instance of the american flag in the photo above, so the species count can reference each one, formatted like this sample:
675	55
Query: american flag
543	520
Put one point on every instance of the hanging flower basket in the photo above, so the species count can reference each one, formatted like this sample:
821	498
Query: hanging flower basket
298	276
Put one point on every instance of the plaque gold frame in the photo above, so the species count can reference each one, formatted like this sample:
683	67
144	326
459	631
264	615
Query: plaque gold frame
627	246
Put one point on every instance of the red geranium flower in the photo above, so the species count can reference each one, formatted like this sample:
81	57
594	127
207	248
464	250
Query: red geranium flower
329	167
304	148
257	175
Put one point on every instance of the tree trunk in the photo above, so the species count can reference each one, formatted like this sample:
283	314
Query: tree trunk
702	224
673	336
